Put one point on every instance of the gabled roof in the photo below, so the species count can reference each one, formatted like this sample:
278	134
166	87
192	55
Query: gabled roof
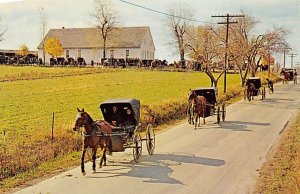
121	37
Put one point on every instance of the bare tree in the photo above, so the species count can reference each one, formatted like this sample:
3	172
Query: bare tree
43	28
106	18
178	23
245	47
204	47
275	40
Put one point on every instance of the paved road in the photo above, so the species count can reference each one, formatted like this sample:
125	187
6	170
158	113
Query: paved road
212	159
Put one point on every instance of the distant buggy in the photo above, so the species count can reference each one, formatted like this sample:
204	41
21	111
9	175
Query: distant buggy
212	106
254	88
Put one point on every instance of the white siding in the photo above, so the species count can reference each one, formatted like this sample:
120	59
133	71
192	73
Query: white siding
146	51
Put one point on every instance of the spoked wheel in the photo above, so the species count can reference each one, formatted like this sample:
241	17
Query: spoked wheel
137	147
218	115
150	139
223	112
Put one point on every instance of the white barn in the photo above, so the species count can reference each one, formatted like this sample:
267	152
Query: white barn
135	42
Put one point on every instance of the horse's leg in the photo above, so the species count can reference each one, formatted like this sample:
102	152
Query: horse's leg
204	116
101	160
104	151
94	158
82	161
196	119
103	157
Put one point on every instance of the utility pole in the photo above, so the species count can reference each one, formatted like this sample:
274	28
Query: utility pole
285	50
292	57
228	22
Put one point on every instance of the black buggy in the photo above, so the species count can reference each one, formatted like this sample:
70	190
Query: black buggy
128	136
289	74
254	88
213	106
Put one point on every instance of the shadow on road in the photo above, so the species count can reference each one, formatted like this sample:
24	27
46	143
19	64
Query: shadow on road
240	125
282	103
157	168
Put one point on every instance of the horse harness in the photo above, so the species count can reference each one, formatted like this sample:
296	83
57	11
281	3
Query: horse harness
95	126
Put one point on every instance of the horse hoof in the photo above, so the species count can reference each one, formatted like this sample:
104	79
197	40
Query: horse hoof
104	164
100	166
83	174
94	171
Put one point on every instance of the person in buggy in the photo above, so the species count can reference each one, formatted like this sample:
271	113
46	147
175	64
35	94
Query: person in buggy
270	85
116	117
129	121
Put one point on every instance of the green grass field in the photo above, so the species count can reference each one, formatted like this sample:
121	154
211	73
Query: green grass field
27	105
31	94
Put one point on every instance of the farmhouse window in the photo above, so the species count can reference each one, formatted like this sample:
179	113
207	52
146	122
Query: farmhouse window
112	53
79	53
127	53
67	53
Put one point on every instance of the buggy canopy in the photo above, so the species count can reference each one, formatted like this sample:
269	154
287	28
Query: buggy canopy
255	80
122	104
210	93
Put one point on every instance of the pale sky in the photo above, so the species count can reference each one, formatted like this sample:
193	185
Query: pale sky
21	19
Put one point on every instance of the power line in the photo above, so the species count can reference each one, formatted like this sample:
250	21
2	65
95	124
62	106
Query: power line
163	13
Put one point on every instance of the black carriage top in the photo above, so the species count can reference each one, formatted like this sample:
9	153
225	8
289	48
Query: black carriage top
210	93
122	105
255	80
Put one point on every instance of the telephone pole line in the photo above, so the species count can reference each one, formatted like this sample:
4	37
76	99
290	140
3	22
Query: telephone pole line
228	22
292	55
285	50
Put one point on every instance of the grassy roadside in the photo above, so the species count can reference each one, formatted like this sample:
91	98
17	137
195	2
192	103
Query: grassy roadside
281	172
36	97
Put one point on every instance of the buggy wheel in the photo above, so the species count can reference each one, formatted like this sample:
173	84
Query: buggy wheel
262	94
150	139
223	112
218	115
137	147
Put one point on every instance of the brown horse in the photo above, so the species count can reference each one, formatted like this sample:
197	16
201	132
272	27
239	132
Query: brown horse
94	134
198	104
250	91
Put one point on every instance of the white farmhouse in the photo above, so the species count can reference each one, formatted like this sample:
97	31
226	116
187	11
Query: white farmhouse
130	42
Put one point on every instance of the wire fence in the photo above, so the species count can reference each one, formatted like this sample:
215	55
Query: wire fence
29	153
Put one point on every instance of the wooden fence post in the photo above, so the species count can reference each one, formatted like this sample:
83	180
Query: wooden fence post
52	137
